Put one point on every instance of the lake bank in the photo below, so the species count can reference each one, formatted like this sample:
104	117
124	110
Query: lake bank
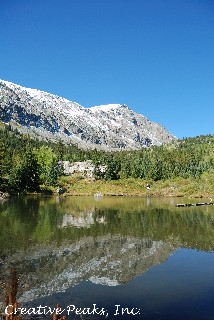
72	185
195	188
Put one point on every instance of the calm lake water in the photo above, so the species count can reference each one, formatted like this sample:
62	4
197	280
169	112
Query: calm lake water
122	258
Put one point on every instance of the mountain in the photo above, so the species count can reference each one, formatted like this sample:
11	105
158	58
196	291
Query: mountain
50	117
109	260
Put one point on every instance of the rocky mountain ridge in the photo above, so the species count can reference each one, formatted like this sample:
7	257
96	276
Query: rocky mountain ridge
109	260
50	117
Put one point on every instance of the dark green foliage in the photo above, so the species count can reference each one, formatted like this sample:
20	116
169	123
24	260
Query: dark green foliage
25	163
98	172
186	158
56	170
26	175
112	169
107	167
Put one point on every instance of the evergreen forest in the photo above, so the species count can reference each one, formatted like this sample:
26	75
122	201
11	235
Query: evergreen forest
26	164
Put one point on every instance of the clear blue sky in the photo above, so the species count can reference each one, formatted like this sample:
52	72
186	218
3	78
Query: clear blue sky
156	56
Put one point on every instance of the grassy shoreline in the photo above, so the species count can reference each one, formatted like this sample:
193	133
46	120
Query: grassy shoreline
202	187
195	188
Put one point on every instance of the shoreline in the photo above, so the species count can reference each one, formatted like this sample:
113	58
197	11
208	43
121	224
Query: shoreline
80	186
116	195
193	188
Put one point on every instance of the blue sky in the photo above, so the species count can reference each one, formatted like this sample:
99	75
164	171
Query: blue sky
156	56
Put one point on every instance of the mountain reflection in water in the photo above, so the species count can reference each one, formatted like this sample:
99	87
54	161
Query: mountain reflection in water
56	244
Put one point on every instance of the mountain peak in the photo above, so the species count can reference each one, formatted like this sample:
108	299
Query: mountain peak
50	117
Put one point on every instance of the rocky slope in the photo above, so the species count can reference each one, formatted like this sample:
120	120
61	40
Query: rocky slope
48	116
108	260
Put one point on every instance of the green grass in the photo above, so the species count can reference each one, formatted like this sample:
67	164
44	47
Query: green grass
177	187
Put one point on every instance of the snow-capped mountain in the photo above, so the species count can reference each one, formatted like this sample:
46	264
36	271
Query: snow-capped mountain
47	116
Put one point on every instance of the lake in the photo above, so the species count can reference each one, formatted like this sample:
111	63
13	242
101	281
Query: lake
110	258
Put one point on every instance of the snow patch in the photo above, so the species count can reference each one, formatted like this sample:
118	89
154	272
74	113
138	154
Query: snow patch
105	107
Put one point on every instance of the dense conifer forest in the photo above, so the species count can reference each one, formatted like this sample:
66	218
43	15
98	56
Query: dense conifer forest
26	163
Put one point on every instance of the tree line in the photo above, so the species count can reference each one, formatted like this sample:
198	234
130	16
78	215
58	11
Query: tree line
26	163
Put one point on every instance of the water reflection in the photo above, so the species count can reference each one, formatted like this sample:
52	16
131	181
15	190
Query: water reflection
56	243
30	221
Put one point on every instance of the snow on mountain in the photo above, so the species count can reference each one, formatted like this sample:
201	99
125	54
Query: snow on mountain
47	116
105	107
